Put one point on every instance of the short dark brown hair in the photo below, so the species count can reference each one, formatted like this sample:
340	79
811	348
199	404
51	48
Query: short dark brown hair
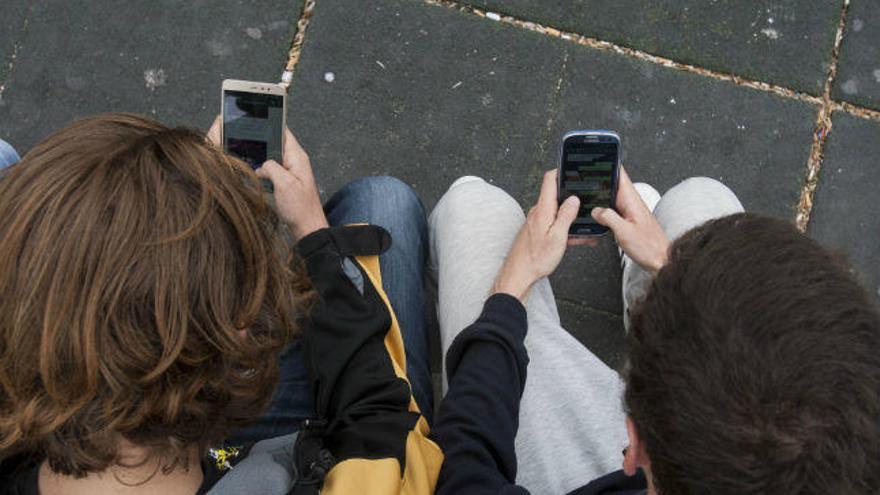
755	366
134	256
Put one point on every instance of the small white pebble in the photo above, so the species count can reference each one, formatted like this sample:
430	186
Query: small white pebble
770	33
493	16
154	78
672	101
456	85
770	21
684	121
380	64
329	77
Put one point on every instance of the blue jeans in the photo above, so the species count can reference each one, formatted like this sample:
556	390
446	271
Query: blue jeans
8	156
389	203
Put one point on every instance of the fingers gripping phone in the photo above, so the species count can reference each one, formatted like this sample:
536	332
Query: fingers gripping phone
588	168
254	119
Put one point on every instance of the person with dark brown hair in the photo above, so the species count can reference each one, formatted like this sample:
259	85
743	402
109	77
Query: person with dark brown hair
753	362
147	291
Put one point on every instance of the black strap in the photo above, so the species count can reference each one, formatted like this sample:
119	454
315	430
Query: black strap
352	240
312	460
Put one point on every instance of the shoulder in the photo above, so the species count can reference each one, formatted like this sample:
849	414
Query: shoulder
220	460
265	467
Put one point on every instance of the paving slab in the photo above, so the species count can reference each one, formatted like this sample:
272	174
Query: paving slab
423	93
674	125
163	58
844	213
779	41
858	74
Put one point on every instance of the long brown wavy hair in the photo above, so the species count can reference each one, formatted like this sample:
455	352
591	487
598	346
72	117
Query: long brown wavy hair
145	291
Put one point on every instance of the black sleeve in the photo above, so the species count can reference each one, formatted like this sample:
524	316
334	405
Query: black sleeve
615	483
478	419
357	393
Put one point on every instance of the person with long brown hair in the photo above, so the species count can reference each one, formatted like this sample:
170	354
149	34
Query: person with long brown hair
146	291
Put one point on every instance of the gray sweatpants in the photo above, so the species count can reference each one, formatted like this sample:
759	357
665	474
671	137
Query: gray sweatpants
572	426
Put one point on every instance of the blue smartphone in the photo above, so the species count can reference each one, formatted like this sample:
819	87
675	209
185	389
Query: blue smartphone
588	168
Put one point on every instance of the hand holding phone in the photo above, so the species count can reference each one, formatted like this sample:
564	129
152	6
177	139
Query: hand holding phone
296	193
635	228
294	189
253	127
254	119
588	169
540	244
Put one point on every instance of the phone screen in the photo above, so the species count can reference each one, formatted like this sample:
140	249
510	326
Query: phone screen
589	170
253	126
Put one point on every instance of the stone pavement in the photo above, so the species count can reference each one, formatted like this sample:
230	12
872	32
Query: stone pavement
779	100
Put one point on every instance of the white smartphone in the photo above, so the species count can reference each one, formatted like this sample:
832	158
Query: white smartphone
254	119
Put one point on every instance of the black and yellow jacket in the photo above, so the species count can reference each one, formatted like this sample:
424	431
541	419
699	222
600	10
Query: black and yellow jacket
369	436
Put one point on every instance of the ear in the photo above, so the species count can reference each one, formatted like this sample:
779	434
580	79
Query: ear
636	456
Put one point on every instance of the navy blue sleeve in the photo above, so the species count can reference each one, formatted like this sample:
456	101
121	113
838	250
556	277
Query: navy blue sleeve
616	483
478	419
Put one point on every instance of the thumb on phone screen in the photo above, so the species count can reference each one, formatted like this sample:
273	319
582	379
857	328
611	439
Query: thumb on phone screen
636	230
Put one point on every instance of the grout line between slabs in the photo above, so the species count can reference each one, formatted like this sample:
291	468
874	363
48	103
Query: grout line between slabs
608	46
536	175
296	45
823	127
856	110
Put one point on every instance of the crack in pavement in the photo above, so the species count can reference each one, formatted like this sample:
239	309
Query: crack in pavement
536	175
586	307
295	52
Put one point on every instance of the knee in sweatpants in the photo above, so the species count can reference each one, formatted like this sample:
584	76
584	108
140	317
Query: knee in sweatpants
703	186
471	195
693	202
